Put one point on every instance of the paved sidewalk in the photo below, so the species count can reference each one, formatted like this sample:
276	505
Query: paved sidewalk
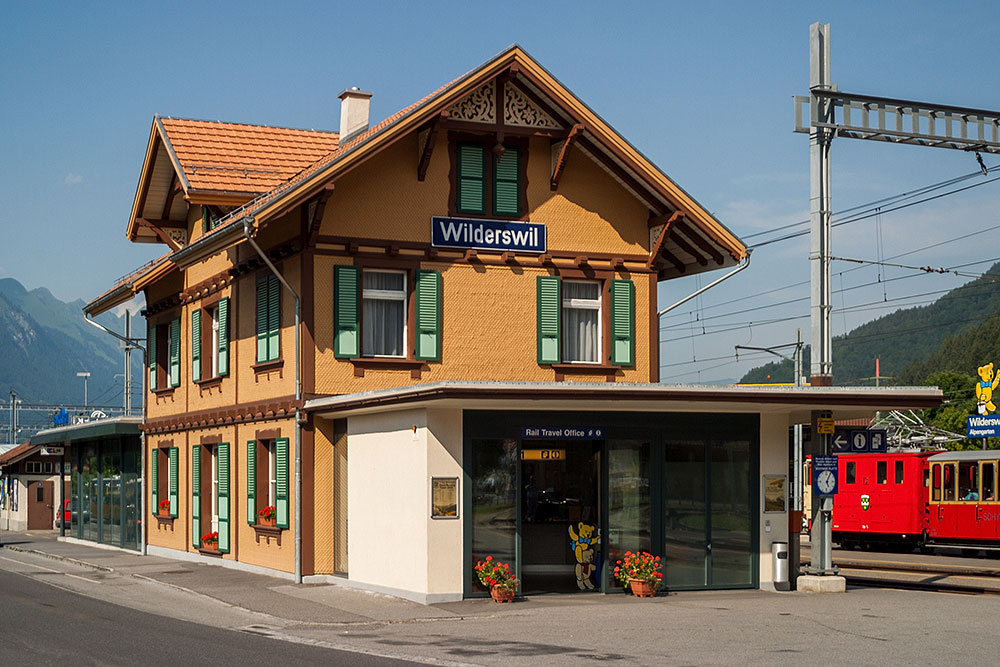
743	627
327	603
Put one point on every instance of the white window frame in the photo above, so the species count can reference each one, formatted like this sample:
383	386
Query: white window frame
386	295
586	304
272	473
212	313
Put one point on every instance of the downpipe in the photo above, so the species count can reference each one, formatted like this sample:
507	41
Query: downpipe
247	223
743	265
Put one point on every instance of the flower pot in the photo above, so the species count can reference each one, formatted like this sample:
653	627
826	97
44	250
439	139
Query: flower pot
502	594
263	521
164	511
641	589
213	546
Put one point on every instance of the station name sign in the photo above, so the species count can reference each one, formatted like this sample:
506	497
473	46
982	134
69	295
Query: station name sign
983	426
500	235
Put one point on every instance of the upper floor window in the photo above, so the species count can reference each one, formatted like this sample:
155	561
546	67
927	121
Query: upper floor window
487	184
585	321
373	317
383	314
165	355
268	318
581	312
210	341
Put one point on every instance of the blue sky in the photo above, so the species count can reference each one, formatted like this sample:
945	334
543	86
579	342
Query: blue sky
703	89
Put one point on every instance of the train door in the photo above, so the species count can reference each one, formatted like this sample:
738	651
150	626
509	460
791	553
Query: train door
987	511
940	522
966	509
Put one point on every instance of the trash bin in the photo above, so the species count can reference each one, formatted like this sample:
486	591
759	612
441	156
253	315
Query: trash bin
779	560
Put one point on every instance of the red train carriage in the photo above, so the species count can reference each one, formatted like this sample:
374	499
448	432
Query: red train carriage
881	500
963	507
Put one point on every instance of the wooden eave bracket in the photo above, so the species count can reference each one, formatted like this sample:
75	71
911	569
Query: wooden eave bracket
428	148
160	234
657	248
559	160
704	245
317	220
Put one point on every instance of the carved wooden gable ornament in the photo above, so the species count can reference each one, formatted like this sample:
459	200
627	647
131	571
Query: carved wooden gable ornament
481	106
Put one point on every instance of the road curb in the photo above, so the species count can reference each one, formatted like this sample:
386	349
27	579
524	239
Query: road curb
68	559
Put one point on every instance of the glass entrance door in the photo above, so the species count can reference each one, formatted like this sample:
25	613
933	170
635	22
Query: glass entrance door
560	515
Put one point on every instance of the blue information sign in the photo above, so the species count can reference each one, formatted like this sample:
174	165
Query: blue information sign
859	440
561	433
982	426
825	475
487	234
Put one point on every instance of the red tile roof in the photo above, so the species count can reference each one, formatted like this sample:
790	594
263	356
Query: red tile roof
234	157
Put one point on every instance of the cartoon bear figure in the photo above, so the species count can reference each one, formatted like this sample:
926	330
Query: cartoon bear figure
583	544
984	390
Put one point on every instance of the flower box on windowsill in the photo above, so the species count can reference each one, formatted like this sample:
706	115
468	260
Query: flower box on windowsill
165	520
268	532
211	550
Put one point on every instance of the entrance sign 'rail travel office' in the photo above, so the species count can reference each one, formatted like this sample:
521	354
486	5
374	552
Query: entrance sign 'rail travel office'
487	234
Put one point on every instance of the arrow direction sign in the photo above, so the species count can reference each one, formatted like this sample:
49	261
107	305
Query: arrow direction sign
840	440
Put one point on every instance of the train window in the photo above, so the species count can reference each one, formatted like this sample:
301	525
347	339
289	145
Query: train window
850	472
968	480
899	472
880	472
948	480
936	482
989	478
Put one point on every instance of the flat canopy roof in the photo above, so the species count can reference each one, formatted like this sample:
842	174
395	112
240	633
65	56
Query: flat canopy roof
797	402
88	431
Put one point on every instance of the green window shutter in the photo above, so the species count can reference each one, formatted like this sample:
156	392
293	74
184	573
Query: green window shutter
223	453
346	323
224	337
507	183
206	222
252	482
622	322
273	318
471	178
281	475
261	319
196	495
429	315
549	320
196	345
152	357
175	352
172	480
154	479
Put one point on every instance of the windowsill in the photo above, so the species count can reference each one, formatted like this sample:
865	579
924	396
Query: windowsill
210	552
387	363
166	391
268	532
165	520
210	382
562	370
265	366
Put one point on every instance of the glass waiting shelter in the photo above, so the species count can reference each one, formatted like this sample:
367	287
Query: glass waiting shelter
103	461
562	496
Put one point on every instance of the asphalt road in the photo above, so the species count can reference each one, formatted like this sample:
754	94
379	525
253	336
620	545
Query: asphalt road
41	624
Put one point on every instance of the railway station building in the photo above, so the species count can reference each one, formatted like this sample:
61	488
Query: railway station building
380	354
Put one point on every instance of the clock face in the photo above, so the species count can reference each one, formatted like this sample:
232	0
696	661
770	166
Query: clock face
825	481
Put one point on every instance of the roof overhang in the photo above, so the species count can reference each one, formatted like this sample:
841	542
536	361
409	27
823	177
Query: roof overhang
88	431
796	402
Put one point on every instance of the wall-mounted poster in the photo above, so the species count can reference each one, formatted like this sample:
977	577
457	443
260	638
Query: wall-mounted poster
444	497
774	493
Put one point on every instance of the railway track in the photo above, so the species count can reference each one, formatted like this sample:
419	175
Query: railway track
917	571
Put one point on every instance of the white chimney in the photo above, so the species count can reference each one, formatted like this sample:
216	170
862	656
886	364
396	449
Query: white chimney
353	112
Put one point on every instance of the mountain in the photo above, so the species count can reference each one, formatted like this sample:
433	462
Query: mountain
44	342
904	338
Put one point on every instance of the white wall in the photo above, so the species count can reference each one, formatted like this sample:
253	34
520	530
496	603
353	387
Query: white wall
387	500
444	536
773	461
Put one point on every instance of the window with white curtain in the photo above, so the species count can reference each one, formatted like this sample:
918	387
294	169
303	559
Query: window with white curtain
383	314
581	312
